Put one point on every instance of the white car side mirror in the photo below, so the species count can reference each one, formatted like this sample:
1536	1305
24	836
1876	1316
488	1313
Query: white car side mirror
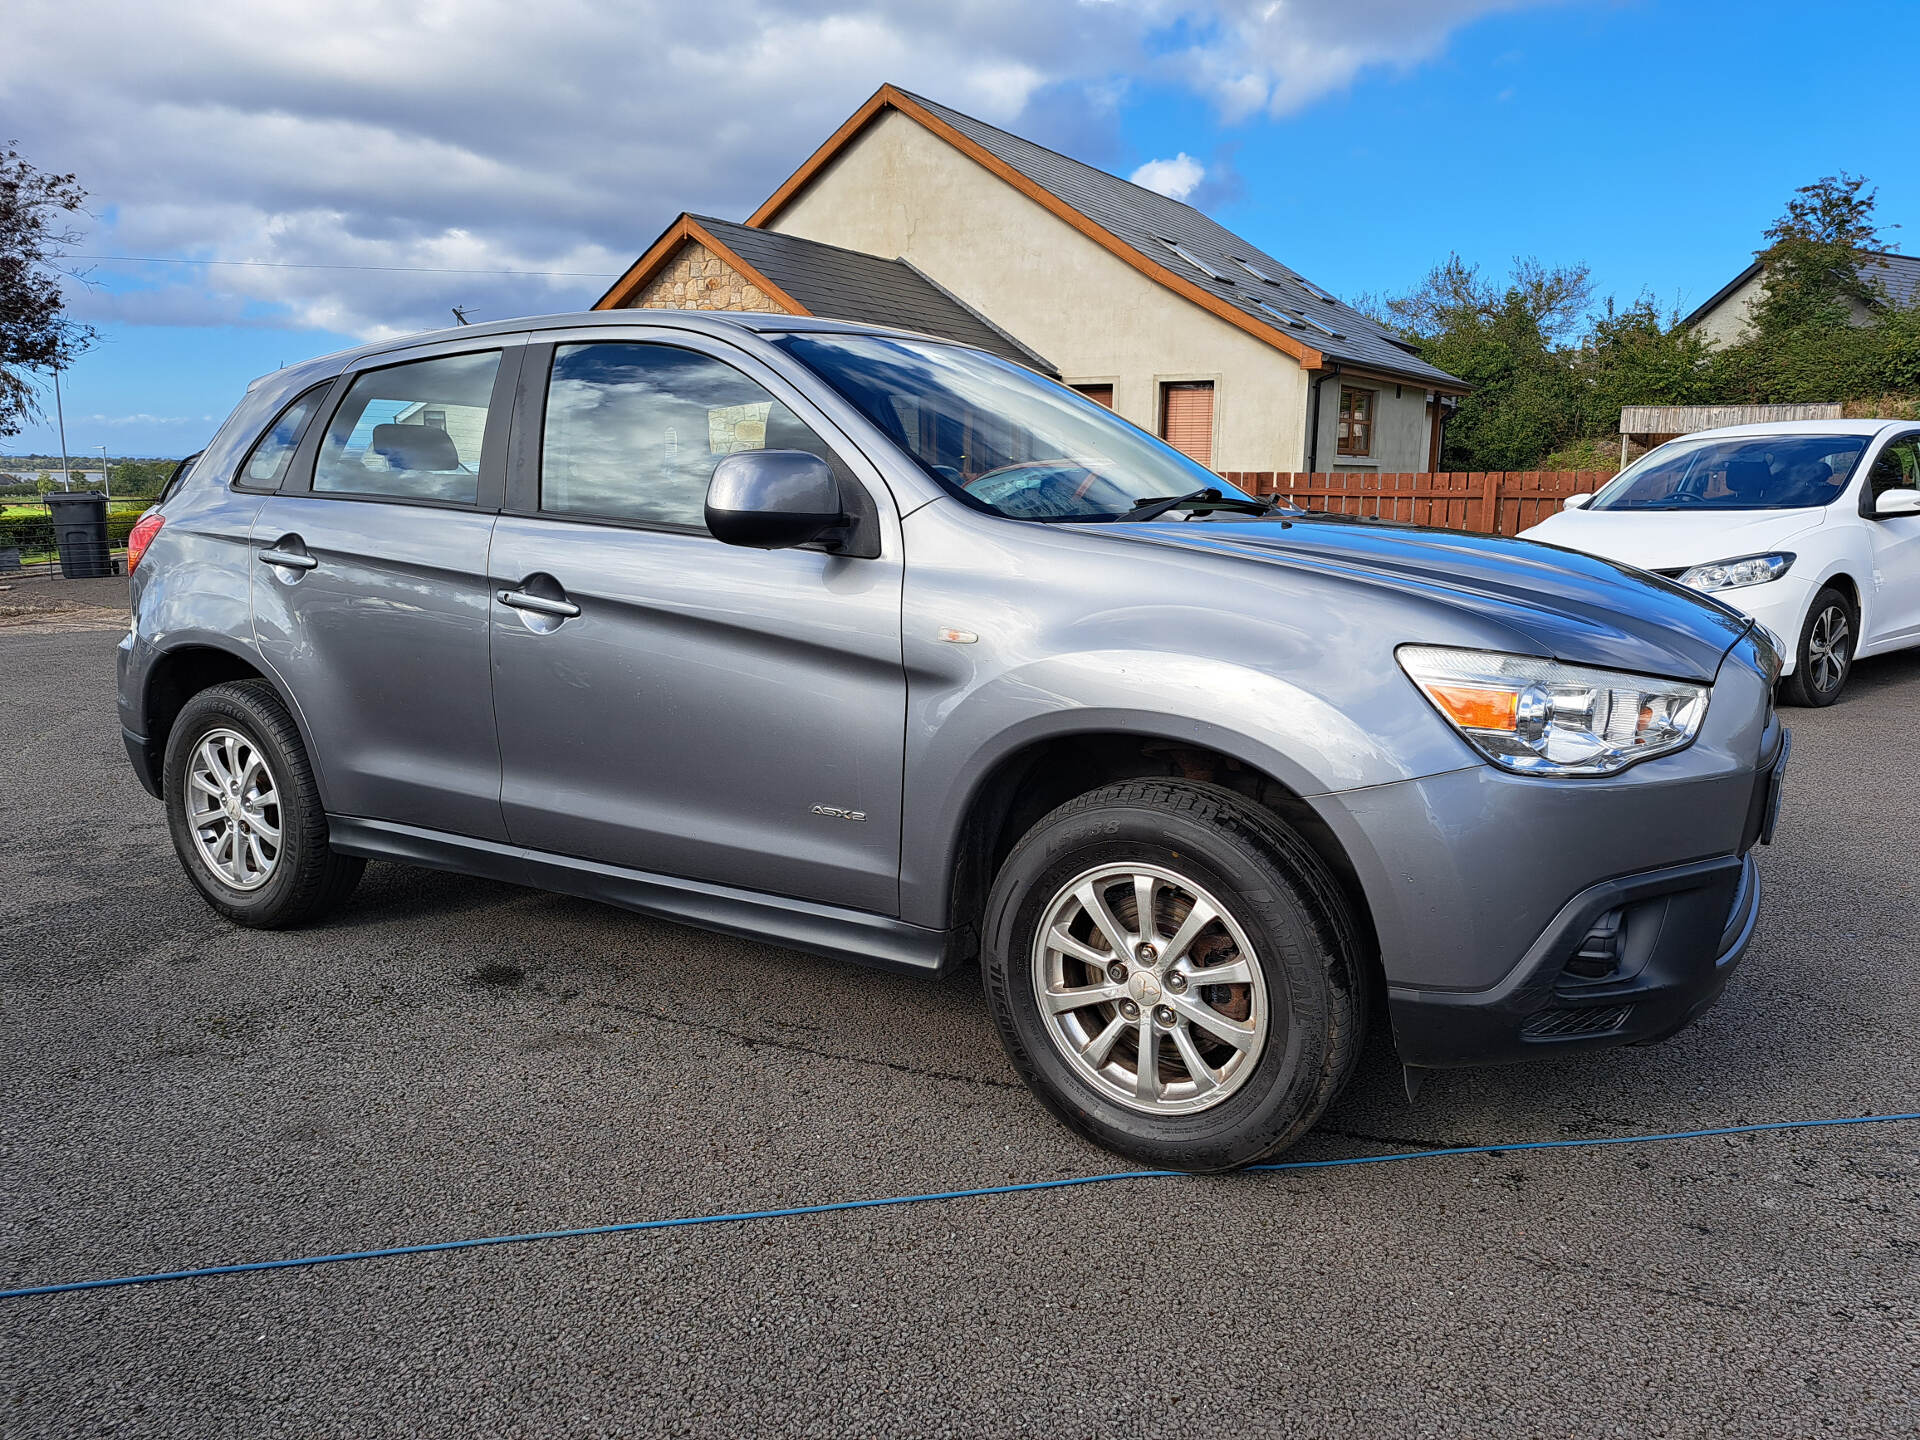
1577	502
1897	502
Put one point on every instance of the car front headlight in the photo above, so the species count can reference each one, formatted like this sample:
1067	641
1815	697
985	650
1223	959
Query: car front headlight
1539	717
1744	570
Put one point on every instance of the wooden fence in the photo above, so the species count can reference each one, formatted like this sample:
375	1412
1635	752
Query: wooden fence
1492	502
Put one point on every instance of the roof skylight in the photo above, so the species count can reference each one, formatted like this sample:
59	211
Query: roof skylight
1195	261
1255	271
1297	319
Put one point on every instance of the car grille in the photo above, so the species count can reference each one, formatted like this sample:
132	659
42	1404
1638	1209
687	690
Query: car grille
1564	1024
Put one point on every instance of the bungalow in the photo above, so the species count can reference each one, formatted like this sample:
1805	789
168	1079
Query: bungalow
913	214
1725	318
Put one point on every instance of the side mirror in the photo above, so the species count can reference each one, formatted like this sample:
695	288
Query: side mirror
1897	502
773	499
1577	502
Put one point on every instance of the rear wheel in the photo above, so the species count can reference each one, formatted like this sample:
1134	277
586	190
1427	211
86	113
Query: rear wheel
1825	657
245	813
1174	973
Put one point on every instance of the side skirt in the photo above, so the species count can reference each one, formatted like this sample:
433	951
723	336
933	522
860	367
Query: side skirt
828	930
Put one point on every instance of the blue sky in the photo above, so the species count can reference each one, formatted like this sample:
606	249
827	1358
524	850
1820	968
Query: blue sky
1358	140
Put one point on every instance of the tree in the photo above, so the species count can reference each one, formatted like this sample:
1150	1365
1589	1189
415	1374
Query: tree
35	333
1638	355
1508	343
46	484
1812	262
134	479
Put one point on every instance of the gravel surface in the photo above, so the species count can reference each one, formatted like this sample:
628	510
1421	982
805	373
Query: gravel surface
453	1058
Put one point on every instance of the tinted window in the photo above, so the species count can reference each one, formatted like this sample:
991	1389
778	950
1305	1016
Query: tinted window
999	436
267	461
633	431
1895	468
413	432
1761	472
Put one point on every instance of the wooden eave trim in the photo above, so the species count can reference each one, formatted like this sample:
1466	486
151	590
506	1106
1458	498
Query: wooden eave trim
667	246
886	97
1387	377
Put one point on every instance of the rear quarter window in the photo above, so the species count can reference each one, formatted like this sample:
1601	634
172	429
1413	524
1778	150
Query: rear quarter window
266	464
246	425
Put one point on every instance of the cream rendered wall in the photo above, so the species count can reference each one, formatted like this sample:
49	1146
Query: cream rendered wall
1729	322
1401	431
898	190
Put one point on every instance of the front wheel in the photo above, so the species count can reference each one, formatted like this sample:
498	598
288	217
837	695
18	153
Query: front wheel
1825	657
1174	973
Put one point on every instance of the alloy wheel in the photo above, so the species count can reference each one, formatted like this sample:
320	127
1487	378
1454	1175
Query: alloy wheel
1150	989
1829	647
233	809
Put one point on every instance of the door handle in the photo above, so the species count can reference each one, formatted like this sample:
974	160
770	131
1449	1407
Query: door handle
539	604
291	559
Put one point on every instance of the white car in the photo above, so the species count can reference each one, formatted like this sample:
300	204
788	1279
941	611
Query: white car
1812	527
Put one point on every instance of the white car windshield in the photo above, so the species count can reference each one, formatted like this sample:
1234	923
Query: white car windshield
1750	472
1003	438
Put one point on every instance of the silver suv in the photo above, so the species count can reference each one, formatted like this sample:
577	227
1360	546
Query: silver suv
882	648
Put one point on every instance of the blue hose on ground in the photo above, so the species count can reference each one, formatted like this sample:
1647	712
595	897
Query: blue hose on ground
741	1216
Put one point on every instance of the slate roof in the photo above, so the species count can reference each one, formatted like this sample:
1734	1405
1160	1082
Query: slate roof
1146	220
1899	277
849	285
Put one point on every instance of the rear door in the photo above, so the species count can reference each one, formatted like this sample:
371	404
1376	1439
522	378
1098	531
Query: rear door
673	704
370	585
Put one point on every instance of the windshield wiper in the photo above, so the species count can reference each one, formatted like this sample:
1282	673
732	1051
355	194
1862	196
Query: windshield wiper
1153	507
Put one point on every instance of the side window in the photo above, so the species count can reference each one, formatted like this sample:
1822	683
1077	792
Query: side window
411	432
267	461
1355	432
1896	468
634	430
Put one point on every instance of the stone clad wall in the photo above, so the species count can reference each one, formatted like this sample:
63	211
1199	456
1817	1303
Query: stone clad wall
698	279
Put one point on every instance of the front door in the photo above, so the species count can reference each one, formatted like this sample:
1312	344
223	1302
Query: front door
370	591
1894	616
671	704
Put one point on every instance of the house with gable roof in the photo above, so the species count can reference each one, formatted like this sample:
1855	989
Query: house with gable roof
917	216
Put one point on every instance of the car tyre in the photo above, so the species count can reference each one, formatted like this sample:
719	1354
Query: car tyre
245	813
1222	1096
1825	658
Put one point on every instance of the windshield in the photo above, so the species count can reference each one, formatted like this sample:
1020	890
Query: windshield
1000	437
1751	472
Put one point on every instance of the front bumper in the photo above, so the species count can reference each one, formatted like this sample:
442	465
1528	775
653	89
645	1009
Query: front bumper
1513	916
1780	605
1667	940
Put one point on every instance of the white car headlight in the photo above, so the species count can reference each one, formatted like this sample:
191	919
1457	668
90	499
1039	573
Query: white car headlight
1539	717
1732	574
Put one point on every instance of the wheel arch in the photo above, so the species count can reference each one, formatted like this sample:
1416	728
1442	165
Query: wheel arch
195	664
1841	579
1042	772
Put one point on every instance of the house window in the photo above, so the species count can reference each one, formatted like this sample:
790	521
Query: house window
1356	421
1099	394
1186	418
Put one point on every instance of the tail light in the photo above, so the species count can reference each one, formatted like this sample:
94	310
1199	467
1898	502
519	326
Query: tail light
141	536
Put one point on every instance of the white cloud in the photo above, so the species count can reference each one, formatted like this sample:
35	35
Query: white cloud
563	135
1176	178
1276	57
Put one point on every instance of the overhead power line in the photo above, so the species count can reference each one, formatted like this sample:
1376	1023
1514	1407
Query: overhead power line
395	269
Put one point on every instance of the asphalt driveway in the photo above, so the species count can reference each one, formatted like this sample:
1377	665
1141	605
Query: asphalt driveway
454	1058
